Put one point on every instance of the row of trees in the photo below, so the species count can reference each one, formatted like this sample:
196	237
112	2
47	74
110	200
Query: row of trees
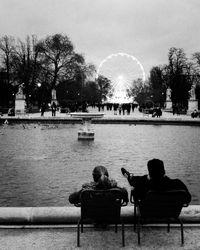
42	65
180	74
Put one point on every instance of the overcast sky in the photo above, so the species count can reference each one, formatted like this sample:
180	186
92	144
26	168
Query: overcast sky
145	29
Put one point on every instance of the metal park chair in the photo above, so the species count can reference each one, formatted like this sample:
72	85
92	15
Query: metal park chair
134	201
101	207
160	207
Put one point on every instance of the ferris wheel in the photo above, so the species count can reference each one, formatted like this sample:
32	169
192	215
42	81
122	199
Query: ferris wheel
122	70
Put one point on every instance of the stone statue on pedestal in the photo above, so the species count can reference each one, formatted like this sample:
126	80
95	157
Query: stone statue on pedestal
192	93
20	101
168	94
192	102
20	94
168	103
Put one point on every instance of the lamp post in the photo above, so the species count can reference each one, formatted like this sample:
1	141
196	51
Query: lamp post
39	94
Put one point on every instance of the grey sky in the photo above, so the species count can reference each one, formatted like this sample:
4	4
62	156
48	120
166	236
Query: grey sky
145	29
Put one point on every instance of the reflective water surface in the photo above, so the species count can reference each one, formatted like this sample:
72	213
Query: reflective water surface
40	165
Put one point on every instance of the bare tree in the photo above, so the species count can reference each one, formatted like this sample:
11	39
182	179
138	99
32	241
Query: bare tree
26	65
141	91
177	75
62	64
7	47
158	86
56	53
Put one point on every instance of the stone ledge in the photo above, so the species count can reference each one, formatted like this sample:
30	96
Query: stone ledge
109	120
70	215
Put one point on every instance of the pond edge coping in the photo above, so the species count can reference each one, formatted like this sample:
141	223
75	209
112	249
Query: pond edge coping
70	215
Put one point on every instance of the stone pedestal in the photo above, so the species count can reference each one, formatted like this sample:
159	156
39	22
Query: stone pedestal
192	105
53	97
20	103
168	103
192	102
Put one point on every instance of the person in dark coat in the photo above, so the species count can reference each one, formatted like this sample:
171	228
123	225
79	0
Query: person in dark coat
100	181
194	114
155	180
53	109
43	107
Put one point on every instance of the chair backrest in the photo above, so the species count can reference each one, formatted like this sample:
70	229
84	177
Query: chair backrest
101	206
162	204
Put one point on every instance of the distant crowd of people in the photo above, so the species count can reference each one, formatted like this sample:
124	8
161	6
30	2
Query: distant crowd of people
53	108
178	109
118	108
70	107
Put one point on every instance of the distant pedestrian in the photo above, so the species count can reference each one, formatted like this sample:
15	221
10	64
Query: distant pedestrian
157	112
115	108
123	108
84	106
43	106
99	106
194	114
133	107
174	109
120	109
128	108
53	108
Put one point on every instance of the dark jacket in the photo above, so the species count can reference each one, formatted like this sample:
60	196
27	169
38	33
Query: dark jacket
143	184
74	198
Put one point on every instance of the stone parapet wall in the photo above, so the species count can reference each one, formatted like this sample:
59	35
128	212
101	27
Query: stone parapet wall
70	215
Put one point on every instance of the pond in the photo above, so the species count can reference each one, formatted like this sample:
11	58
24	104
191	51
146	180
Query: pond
42	164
